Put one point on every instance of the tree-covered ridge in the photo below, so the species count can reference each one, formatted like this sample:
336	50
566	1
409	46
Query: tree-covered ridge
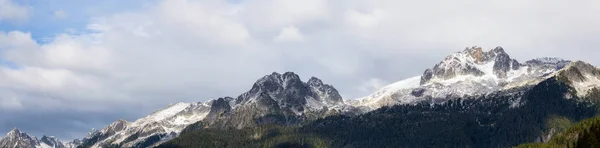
583	134
257	137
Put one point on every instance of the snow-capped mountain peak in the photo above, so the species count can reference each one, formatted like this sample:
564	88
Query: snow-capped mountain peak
472	61
470	72
13	132
17	139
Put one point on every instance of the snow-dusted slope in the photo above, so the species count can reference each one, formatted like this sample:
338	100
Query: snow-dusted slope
583	77
471	72
162	125
387	92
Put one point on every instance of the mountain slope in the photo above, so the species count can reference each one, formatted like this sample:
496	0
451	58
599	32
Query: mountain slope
159	126
471	72
274	99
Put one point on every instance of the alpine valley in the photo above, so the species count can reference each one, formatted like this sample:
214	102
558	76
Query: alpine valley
472	98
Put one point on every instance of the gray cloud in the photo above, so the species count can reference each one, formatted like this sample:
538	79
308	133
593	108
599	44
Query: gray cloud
183	50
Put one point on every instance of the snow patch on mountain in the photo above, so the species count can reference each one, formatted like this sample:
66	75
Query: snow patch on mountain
165	123
43	145
164	113
584	88
376	98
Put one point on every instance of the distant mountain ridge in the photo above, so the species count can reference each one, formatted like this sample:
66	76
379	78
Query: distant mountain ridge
473	84
17	139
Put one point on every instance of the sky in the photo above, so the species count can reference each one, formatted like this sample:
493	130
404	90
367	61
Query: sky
69	66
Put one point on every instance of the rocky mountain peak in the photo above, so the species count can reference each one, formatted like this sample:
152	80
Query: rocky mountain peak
477	54
472	61
499	50
276	81
13	132
290	76
502	62
218	108
116	126
314	81
51	141
220	105
274	94
325	91
16	138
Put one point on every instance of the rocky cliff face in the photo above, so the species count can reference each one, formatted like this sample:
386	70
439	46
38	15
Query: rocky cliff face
51	142
467	63
276	99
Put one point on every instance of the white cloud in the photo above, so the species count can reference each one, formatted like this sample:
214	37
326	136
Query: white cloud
60	14
268	14
11	11
289	34
209	19
364	19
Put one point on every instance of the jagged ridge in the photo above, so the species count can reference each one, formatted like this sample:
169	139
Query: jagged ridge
17	139
273	99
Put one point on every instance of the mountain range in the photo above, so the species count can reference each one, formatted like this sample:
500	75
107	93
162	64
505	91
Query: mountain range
472	98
